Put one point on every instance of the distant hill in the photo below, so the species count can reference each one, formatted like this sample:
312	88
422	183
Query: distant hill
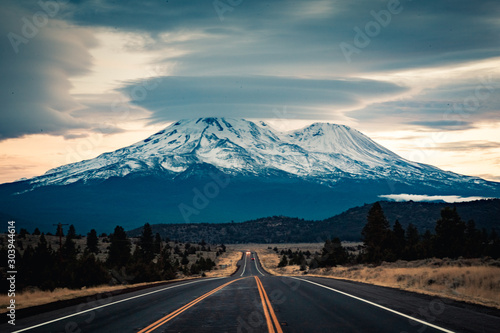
347	225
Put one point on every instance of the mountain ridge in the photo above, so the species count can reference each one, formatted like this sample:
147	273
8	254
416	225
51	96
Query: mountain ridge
346	225
312	173
327	152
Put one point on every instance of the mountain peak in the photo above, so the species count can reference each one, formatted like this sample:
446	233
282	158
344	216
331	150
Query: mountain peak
326	126
322	152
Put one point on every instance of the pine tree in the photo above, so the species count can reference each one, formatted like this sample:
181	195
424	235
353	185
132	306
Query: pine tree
333	253
157	244
89	271
119	248
146	242
412	239
283	262
92	242
69	250
376	235
23	232
399	241
71	232
450	234
473	246
494	244
43	266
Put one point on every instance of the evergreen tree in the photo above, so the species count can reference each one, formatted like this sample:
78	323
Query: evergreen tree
92	242
333	254
411	245
376	235
146	242
23	232
494	245
43	266
426	248
283	262
450	234
473	242
90	272
71	232
399	241
165	266
36	232
69	251
157	244
119	248
314	263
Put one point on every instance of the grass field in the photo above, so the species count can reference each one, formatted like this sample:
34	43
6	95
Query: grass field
38	297
471	280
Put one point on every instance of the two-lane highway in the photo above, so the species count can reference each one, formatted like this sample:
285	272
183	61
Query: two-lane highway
254	301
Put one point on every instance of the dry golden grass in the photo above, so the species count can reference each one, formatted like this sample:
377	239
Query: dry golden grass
474	281
270	260
39	297
229	258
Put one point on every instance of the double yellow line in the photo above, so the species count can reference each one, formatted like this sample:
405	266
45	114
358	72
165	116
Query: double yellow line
268	310
177	312
273	325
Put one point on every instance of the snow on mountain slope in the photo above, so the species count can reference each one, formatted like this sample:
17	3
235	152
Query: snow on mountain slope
322	152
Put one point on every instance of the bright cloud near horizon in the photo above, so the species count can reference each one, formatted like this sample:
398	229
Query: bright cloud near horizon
80	78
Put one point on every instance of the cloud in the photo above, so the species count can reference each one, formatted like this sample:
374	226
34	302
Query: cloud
422	34
417	197
466	145
443	124
254	96
447	101
35	86
262	55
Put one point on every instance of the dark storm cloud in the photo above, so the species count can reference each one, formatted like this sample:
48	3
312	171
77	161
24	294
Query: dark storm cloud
451	106
417	33
255	97
225	49
34	85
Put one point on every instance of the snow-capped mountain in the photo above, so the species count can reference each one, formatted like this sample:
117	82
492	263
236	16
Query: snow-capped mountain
174	177
323	152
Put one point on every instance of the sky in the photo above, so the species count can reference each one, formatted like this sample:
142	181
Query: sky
79	78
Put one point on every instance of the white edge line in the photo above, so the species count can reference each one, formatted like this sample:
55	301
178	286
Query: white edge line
257	266
104	305
245	266
378	305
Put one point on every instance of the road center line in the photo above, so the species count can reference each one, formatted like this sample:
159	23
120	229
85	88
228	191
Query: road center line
377	305
177	312
268	309
105	305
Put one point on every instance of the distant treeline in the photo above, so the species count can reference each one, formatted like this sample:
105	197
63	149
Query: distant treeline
153	259
346	226
453	238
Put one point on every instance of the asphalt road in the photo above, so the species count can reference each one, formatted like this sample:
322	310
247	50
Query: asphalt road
254	301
